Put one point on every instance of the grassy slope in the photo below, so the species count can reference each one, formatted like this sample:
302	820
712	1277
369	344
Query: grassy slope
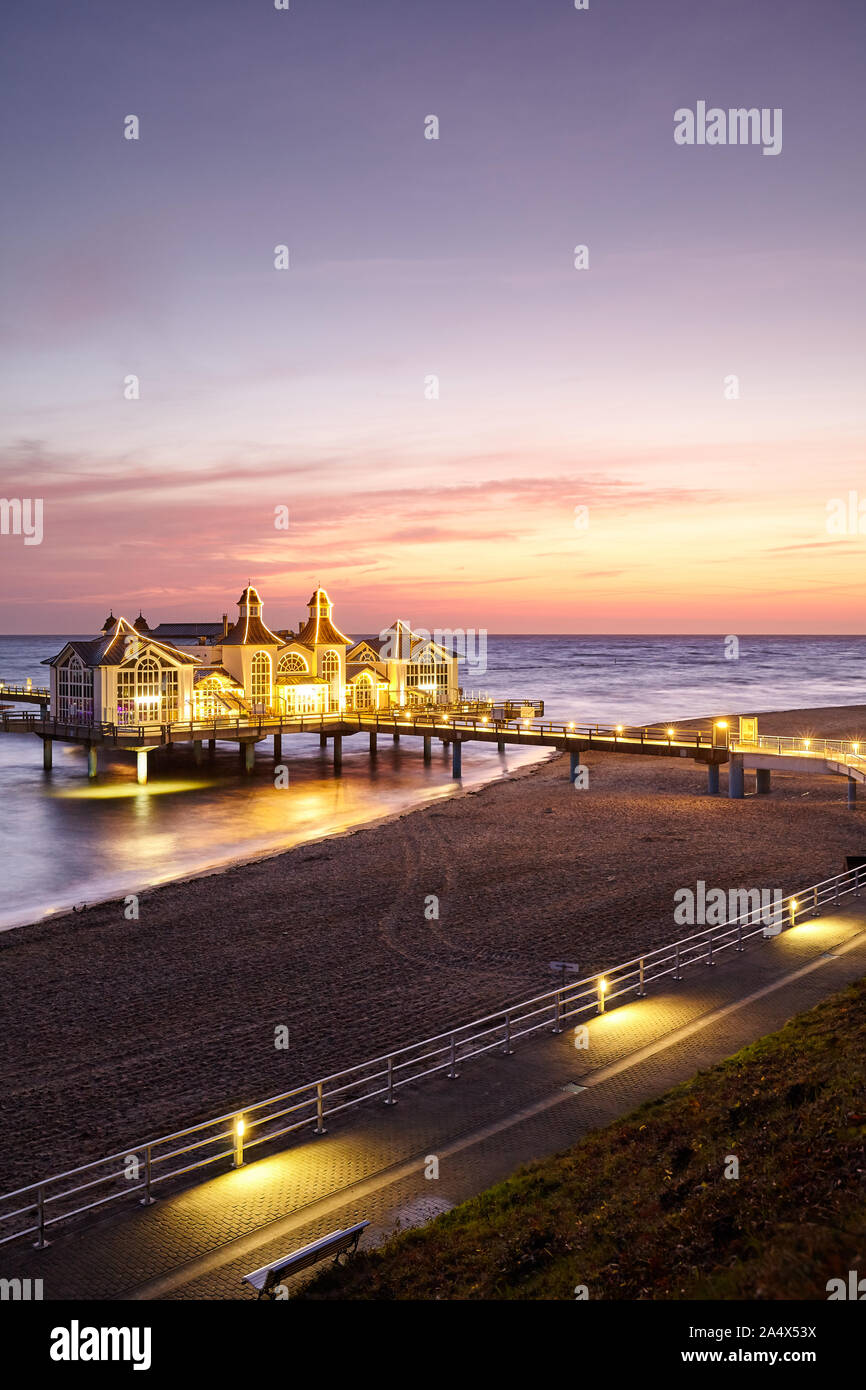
640	1209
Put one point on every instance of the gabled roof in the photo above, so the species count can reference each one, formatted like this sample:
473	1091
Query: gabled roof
356	670
364	642
84	649
218	672
402	643
111	649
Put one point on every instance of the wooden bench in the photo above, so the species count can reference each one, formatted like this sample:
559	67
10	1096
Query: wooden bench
266	1279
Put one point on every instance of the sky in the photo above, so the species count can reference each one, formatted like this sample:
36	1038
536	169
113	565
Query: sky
589	465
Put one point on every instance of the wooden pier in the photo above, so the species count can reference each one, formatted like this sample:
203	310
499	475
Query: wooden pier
454	729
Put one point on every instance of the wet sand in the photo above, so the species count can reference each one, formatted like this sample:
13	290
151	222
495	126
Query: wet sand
116	1030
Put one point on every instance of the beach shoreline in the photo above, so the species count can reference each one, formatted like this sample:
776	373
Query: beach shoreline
261	856
117	1030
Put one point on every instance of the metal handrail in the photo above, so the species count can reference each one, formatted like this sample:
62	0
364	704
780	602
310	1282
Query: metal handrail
362	1083
781	745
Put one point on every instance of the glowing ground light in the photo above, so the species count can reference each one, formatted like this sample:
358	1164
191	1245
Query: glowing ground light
602	990
670	733
807	742
794	906
240	1127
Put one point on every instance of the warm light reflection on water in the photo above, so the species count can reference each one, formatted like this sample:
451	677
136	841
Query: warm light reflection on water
65	840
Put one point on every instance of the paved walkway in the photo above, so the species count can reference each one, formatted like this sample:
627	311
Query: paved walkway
501	1112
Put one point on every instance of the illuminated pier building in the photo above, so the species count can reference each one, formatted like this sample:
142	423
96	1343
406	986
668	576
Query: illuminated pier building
131	674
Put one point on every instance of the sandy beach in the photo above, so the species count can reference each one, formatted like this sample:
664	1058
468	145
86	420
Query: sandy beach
116	1030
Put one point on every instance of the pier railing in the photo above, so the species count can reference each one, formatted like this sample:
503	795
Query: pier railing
18	688
135	1172
442	721
782	745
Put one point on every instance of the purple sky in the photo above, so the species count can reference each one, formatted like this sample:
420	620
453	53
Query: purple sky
411	257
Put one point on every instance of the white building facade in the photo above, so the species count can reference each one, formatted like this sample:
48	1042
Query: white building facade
130	675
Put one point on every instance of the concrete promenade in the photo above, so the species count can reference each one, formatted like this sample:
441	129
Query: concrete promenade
502	1111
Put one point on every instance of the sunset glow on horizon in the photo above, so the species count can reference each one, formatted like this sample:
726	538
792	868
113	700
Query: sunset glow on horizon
559	389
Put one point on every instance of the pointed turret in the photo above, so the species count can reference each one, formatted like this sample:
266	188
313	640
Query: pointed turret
249	628
319	630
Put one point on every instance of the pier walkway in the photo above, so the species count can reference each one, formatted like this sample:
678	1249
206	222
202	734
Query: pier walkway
714	746
455	727
503	1110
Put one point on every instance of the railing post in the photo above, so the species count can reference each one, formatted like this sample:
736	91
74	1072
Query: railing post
836	891
740	946
40	1242
320	1110
389	1099
453	1073
677	975
710	947
507	1049
557	1019
816	911
857	881
239	1127
641	989
147	1200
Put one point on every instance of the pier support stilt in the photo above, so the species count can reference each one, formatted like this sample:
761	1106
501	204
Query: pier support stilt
278	747
712	779
141	767
211	747
323	739
248	755
374	744
456	758
396	736
92	768
338	752
852	793
762	780
428	748
197	752
500	745
47	750
736	777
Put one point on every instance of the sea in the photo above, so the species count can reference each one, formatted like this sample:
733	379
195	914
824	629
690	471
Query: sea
66	841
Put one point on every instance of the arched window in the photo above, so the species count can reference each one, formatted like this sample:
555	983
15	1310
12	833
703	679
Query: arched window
75	690
260	680
331	667
293	661
364	692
